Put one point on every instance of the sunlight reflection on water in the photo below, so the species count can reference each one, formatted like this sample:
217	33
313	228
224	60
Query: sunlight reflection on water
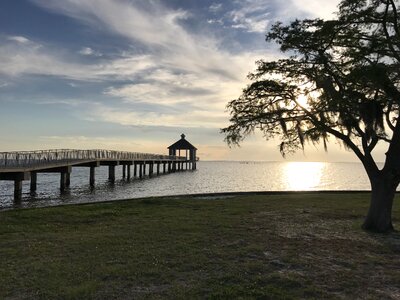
303	175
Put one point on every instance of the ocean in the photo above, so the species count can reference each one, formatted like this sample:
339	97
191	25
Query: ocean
210	177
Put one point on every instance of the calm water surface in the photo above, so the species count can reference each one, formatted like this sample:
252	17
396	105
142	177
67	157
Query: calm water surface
210	177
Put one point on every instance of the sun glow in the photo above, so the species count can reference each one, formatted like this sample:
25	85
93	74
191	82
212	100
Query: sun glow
302	101
303	175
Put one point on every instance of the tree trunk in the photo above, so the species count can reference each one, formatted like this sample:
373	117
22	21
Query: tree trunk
379	218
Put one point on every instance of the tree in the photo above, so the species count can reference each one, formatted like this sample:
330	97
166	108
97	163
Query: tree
347	70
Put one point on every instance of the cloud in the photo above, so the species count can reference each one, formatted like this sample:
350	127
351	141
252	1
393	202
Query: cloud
186	93
89	51
317	8
215	7
18	39
215	21
252	15
72	84
181	119
34	58
162	86
149	23
65	102
4	84
257	15
124	68
91	142
154	26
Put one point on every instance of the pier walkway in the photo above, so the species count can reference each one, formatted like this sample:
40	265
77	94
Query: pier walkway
25	165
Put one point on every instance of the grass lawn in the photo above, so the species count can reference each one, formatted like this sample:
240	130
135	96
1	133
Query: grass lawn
285	246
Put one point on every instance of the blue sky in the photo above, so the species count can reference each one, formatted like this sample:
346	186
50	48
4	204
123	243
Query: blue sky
133	75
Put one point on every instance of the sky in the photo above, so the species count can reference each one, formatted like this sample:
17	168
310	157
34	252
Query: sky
133	75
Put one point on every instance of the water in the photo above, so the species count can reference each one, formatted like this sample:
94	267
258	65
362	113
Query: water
210	177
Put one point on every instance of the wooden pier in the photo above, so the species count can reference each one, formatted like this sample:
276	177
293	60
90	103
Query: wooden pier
26	165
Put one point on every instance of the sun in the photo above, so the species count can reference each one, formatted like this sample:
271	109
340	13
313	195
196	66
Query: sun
302	101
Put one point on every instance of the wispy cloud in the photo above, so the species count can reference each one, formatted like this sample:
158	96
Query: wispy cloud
89	51
163	86
4	84
18	39
182	119
156	27
256	15
215	7
148	22
33	58
253	16
92	142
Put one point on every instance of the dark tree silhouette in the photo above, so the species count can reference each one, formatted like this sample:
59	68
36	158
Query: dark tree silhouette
348	70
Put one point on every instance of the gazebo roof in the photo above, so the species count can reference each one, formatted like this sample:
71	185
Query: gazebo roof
182	144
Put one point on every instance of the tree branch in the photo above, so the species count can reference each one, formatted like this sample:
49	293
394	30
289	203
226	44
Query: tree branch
387	115
387	35
395	16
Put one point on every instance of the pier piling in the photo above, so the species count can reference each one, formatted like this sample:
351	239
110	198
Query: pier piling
63	181
92	176
33	182
151	165
111	173
17	189
129	172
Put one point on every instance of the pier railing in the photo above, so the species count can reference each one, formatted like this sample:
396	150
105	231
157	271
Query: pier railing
26	159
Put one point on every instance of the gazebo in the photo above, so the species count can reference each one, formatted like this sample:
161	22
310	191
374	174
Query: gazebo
190	150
